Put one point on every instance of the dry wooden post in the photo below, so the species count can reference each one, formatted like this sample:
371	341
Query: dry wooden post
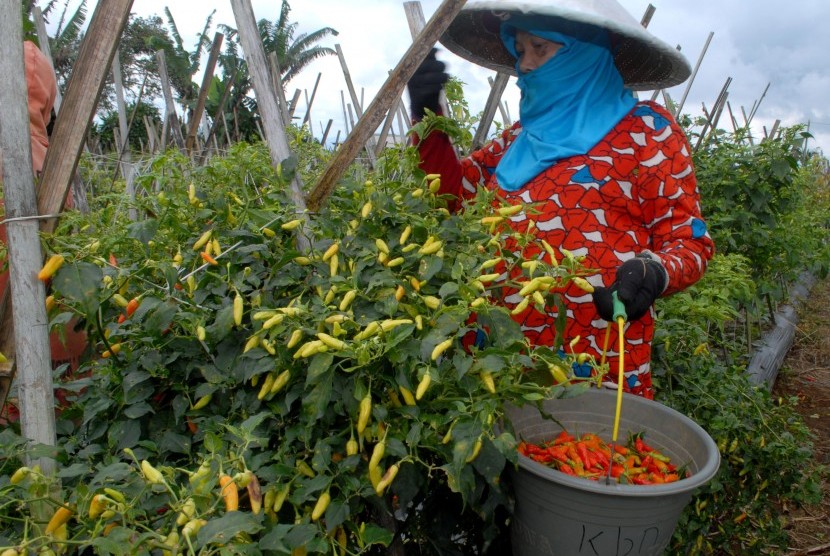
292	106
124	155
649	13
43	38
746	124
311	101
275	134
31	350
386	98
773	131
326	132
203	92
369	143
220	112
694	74
171	120
493	102
151	134
757	104
345	112
276	75
711	120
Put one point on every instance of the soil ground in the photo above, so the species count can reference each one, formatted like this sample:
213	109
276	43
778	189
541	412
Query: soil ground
806	374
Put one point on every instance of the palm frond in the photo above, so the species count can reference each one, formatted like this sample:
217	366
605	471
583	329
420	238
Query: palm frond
74	25
204	42
174	31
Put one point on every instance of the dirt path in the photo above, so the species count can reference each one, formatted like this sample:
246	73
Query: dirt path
806	374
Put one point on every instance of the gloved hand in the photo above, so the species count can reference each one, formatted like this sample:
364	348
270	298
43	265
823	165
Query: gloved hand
425	85
638	283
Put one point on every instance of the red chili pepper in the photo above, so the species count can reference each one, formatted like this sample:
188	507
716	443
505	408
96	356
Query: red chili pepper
565	468
563	438
132	306
208	259
582	451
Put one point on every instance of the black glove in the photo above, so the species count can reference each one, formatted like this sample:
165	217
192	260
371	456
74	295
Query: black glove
425	86
638	283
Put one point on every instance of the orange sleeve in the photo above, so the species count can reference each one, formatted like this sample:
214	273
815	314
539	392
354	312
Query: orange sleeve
43	89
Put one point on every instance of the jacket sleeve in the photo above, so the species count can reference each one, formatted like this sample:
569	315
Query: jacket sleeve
460	177
42	89
670	199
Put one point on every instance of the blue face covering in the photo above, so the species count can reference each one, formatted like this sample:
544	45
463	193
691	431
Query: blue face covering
567	105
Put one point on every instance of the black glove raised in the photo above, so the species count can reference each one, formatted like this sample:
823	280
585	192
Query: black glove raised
425	86
638	283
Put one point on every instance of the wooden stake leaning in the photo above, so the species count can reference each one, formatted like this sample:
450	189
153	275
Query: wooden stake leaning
386	98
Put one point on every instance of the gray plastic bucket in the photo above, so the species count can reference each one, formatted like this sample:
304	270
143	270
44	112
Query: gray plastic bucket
560	515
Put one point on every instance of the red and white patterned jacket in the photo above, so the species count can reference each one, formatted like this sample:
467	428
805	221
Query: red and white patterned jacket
635	191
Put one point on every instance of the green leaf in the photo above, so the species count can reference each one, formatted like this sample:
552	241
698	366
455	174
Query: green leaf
273	540
225	528
137	410
320	363
373	534
80	282
143	230
161	318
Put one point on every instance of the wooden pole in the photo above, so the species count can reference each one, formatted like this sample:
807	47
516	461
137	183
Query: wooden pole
276	75
649	13
31	350
292	106
220	111
386	98
311	101
694	74
369	143
124	155
207	79
267	102
171	120
493	102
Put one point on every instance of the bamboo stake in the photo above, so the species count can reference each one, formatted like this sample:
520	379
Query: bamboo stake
171	120
220	111
711	119
292	106
493	101
276	75
124	155
388	95
275	134
207	79
326	132
757	104
311	102
694	74
370	144
31	356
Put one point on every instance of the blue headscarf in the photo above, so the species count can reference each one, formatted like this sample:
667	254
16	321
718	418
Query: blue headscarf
567	105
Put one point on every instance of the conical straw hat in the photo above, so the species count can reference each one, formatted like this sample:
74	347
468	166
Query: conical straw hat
644	61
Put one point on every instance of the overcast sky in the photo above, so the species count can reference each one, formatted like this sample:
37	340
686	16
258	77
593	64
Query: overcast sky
758	43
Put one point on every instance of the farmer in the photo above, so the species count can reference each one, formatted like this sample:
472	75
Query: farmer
610	178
